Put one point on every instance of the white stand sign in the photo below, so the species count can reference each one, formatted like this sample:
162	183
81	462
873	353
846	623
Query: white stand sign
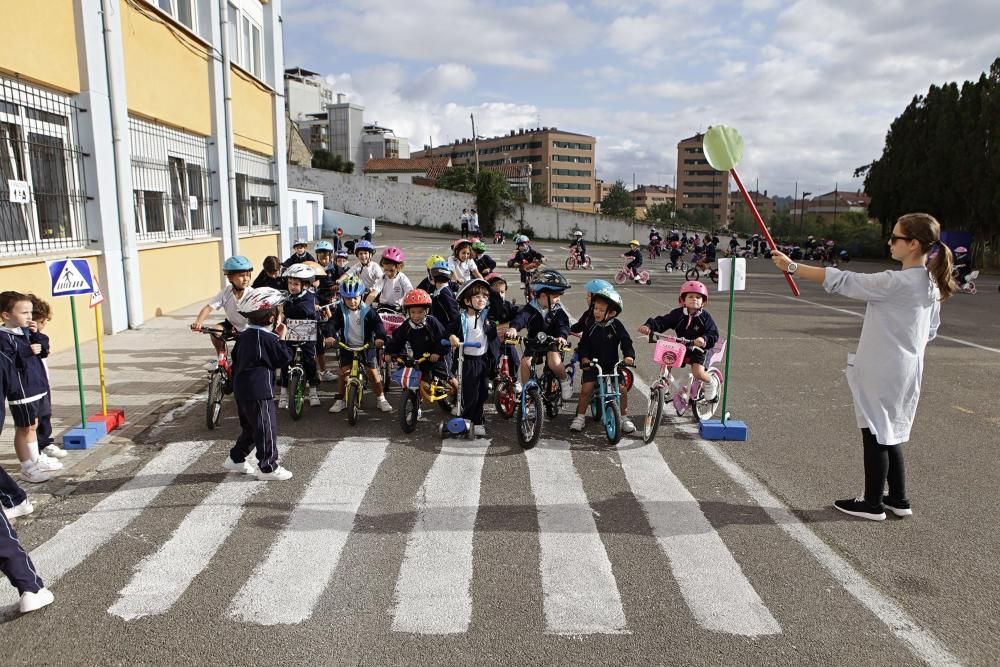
725	271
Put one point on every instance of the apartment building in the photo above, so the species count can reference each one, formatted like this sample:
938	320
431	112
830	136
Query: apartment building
562	163
829	205
306	93
143	136
698	185
766	206
645	196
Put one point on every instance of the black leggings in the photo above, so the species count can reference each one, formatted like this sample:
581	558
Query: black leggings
883	463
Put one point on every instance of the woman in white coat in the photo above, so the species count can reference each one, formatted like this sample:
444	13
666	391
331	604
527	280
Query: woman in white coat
884	374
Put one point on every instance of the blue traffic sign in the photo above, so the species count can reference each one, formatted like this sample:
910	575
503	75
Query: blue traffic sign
70	276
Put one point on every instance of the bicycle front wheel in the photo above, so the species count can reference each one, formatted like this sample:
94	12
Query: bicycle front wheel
654	413
621	277
296	395
213	408
553	397
409	410
353	403
612	422
570	263
692	274
587	262
504	398
529	418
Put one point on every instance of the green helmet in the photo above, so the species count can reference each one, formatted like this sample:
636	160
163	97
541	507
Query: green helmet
479	246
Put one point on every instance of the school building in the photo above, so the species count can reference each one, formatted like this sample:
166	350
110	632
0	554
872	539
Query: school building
146	136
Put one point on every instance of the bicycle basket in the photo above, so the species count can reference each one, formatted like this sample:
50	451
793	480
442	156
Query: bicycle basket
408	378
391	322
300	331
669	353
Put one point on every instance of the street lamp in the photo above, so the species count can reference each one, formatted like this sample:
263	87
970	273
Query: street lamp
802	211
548	192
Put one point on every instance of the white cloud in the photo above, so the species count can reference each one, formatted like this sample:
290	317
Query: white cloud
438	81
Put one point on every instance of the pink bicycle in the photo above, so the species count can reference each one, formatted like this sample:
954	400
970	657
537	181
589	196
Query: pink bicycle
626	273
669	354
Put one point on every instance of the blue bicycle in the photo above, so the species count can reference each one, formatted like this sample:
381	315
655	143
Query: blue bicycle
605	404
540	396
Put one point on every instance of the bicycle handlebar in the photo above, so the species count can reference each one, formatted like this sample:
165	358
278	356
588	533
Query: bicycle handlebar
445	341
353	349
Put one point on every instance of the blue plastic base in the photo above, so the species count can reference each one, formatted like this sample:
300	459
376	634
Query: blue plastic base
732	429
84	437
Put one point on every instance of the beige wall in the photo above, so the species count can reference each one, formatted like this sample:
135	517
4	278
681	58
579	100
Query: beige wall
257	247
253	114
41	45
174	276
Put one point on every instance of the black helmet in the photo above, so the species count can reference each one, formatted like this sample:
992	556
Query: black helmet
548	280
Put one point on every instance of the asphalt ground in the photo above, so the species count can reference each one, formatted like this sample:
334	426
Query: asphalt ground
395	549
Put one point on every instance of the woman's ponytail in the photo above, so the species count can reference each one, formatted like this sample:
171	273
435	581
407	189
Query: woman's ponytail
940	267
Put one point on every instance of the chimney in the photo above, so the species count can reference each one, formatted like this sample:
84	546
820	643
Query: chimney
340	98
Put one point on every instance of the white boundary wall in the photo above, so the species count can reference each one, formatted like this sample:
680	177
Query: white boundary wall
421	206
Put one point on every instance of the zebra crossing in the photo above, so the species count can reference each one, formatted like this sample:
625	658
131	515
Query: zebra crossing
434	588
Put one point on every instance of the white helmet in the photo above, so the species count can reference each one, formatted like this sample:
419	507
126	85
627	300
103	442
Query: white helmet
300	271
261	298
578	233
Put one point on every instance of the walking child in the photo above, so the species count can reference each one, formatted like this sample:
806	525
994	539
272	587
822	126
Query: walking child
40	316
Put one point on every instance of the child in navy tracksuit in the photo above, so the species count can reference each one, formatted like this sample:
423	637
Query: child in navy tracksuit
41	314
635	252
474	325
258	353
301	305
525	254
422	333
502	312
693	322
444	306
299	255
545	314
15	563
29	395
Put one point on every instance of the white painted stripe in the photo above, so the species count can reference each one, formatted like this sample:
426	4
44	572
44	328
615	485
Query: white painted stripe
710	579
287	585
77	541
579	591
855	314
433	590
161	578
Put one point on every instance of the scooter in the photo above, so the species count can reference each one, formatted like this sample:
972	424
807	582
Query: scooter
457	427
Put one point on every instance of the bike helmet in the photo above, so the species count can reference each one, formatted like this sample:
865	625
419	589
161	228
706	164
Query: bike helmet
416	297
300	271
341	253
578	233
459	244
351	288
961	248
237	264
468	285
394	255
299	243
323	245
634	242
596	285
441	266
479	246
612	297
548	280
260	298
522	239
493	277
432	260
364	245
692	286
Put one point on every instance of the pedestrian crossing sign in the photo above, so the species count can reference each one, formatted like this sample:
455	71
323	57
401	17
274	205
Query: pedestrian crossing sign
70	276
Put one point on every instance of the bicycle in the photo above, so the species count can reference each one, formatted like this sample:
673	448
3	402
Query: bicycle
504	394
626	273
701	266
669	354
220	379
605	404
541	396
577	260
354	389
299	331
392	318
682	265
417	389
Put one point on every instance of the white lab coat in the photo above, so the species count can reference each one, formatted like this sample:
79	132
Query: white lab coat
903	314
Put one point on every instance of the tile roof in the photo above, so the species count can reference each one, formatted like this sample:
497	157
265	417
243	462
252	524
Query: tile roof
415	165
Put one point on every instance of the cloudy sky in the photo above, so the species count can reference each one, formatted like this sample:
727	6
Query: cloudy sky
812	85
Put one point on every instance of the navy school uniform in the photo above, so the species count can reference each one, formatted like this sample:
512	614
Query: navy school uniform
14	561
502	311
302	307
636	256
425	339
257	354
43	431
690	326
521	256
30	385
555	323
444	306
298	259
600	342
372	329
264	280
478	363
485	264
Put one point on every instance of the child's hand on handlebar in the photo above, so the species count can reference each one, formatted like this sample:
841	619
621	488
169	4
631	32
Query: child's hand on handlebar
379	343
644	330
196	326
453	339
434	358
629	361
699	342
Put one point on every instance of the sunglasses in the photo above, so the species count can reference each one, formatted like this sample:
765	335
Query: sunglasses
893	238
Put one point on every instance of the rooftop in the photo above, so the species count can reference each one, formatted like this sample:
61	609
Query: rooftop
421	165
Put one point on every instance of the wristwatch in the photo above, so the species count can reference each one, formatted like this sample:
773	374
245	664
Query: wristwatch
792	268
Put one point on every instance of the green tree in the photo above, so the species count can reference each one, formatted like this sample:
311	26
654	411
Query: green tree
493	199
743	222
663	212
618	202
460	179
324	159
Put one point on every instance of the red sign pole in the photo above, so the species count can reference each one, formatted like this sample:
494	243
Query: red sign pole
763	227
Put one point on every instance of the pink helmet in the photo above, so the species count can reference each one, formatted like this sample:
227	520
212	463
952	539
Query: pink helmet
695	287
394	254
961	248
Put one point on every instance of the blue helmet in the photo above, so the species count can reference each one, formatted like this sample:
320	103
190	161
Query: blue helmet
237	263
441	266
341	253
351	287
596	285
364	245
323	245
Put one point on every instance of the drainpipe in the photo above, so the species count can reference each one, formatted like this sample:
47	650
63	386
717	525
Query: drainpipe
227	105
126	233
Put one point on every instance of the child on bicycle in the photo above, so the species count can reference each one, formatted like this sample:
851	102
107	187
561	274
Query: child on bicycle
675	254
524	257
257	355
502	312
364	270
578	245
473	325
270	274
238	270
444	306
423	333
463	266
301	305
693	322
394	285
635	252
357	324
544	314
600	342
427	284
299	254
484	263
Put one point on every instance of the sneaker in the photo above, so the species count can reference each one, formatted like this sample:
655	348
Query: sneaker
517	387
35	601
900	508
567	391
55	451
338	406
283	401
578	423
47	463
31	473
211	365
479	430
859	508
243	466
327	376
24	509
383	404
279	474
313	397
627	425
710	390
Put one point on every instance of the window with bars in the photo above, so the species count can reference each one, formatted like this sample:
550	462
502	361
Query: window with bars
42	194
255	192
170	181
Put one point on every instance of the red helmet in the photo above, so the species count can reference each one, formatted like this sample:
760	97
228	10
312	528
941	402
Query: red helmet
416	297
693	287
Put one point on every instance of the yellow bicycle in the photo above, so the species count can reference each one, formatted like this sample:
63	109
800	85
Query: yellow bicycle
354	390
418	387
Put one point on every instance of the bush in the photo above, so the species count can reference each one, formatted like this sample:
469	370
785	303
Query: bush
527	231
448	228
